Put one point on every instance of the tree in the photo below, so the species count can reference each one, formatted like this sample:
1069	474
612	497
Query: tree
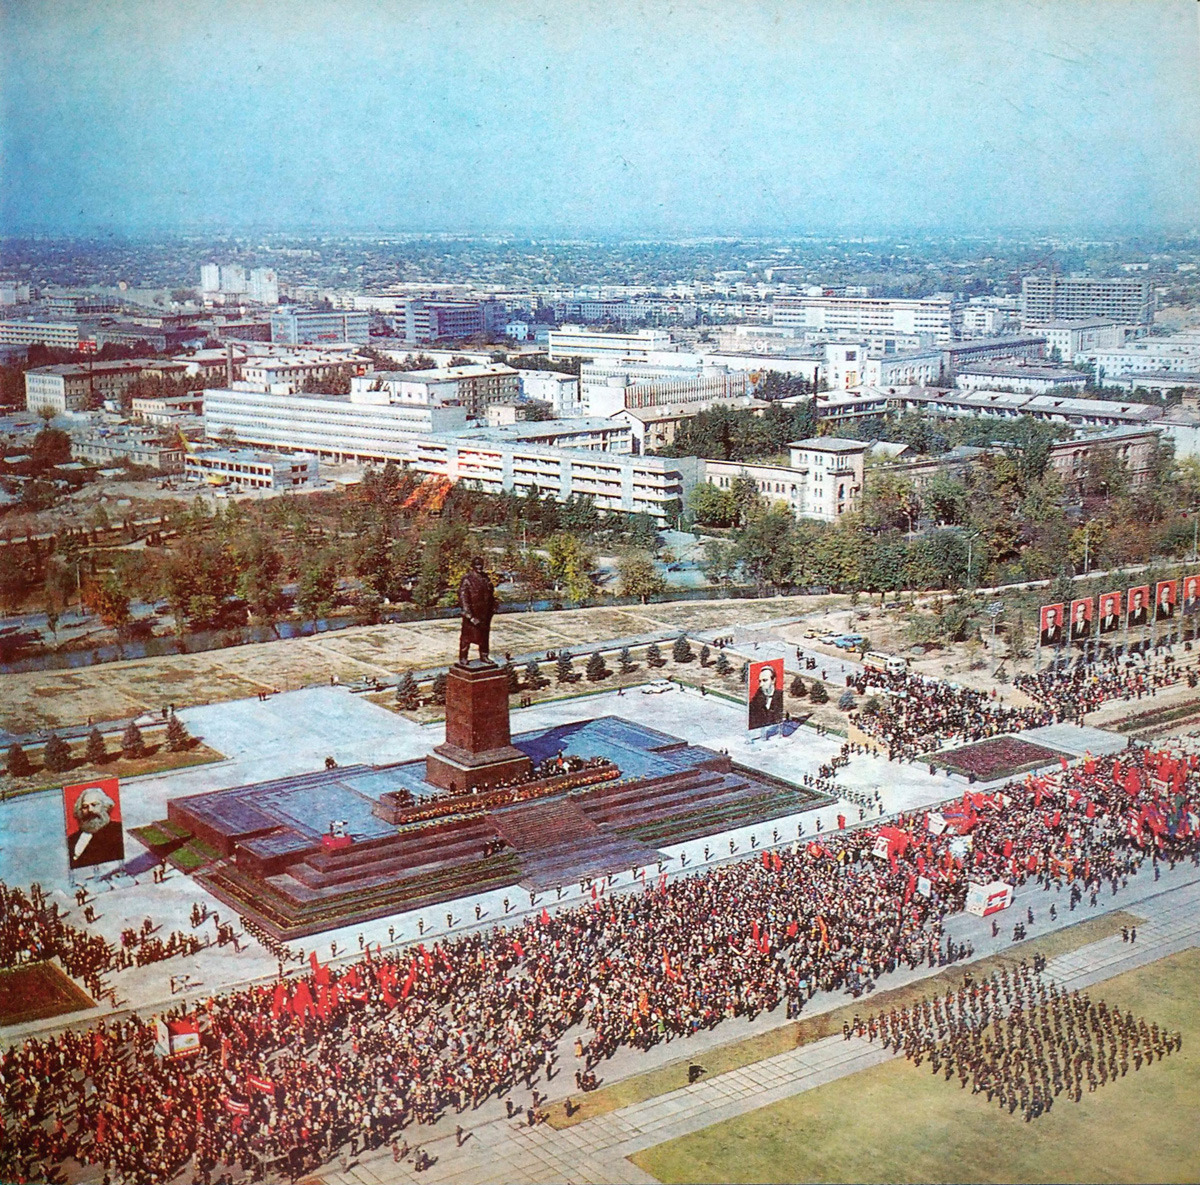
596	670
846	700
720	561
178	737
51	446
1018	640
318	586
798	688
682	650
817	692
107	600
406	691
437	688
723	665
625	660
704	655
571	564
132	743
514	680
97	751
18	763
639	577
533	675
654	656
56	754
563	670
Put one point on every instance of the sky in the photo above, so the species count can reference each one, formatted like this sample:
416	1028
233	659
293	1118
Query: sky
602	117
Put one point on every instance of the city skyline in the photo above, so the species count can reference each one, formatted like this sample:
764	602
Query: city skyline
610	121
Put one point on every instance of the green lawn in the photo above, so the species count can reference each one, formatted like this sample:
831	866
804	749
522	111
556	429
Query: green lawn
897	1122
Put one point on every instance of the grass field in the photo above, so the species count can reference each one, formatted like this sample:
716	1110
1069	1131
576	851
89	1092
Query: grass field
898	1123
37	991
736	1054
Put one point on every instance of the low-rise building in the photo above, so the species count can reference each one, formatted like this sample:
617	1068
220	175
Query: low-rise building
474	386
250	470
103	445
1065	340
1010	405
823	481
1157	382
59	335
560	391
295	326
573	341
76	386
290	372
167	410
657	426
1150	356
1035	380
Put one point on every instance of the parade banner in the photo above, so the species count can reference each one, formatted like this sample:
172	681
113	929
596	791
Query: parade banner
1051	625
1166	593
1081	620
983	900
92	811
1138	600
765	689
1110	612
1191	596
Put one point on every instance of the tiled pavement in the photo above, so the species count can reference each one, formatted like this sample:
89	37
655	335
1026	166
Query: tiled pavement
597	1150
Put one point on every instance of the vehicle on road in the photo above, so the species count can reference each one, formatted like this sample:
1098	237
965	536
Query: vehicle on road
849	641
893	664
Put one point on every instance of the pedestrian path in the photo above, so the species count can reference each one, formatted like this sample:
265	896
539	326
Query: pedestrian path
598	1150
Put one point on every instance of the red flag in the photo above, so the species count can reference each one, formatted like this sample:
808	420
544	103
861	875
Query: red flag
545	916
101	1127
912	884
518	948
320	973
777	860
280	1000
1063	762
387	977
408	983
302	1001
265	1085
428	959
793	929
754	930
767	860
235	1106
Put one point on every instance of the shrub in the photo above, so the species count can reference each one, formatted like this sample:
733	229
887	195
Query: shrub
437	688
817	693
654	656
682	650
406	690
97	750
626	661
132	743
723	666
178	737
56	756
514	680
797	688
596	670
533	675
846	700
18	764
744	675
563	670
704	655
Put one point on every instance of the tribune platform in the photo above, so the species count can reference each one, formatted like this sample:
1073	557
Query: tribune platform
599	796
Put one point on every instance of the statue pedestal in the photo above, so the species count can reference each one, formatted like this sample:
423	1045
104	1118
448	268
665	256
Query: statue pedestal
478	751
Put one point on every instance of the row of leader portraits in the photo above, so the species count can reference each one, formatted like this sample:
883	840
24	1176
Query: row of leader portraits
1130	608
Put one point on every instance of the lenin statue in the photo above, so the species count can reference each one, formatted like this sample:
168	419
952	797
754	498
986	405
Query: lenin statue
478	601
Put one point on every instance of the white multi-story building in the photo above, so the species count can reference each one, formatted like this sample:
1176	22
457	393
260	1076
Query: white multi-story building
1036	380
1066	340
1059	298
263	286
293	326
288	374
679	388
475	387
901	369
338	427
14	292
60	335
824	480
210	277
573	341
1151	355
864	317
560	391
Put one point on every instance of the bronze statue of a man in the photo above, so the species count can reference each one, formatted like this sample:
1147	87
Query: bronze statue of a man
478	600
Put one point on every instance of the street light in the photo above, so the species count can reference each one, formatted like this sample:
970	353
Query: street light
993	611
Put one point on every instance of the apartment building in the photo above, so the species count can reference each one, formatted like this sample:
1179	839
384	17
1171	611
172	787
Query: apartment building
573	341
59	335
296	327
474	386
863	317
1123	299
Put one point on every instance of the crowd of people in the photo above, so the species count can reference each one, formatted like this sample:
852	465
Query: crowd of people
35	929
1073	691
290	1073
1021	1040
915	715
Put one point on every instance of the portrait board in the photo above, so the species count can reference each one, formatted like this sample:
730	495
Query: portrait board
765	689
1050	625
92	817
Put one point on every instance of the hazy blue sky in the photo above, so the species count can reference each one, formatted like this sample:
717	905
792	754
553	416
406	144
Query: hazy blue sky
616	116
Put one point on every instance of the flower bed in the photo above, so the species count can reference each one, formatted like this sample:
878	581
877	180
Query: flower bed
997	757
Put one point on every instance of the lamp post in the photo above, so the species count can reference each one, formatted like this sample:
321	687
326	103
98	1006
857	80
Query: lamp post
993	611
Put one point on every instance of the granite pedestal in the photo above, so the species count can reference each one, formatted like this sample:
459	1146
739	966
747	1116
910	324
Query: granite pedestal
478	751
